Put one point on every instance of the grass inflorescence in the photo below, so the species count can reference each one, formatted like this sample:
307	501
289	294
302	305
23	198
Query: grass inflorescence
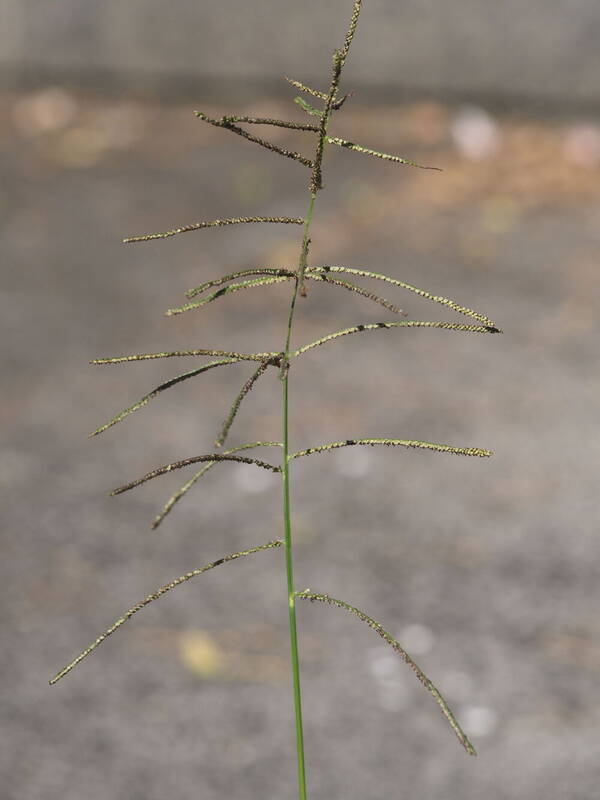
282	360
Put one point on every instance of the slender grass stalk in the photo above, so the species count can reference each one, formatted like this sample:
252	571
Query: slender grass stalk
284	361
287	521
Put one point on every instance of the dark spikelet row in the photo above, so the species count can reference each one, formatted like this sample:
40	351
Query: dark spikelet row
175	498
182	353
196	226
440	448
316	181
242	273
281	275
373	326
395	645
352	287
339	103
166	385
234	287
154	596
300	288
325	272
155	473
246	388
282	151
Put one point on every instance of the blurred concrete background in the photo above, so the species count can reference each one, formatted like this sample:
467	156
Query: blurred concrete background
487	571
533	52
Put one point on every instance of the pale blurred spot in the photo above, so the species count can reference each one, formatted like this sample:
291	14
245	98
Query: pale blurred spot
44	111
305	531
362	201
27	228
392	696
478	720
252	184
252	479
456	686
79	147
577	314
209	657
201	654
285	254
475	133
416	639
16	465
582	145
581	649
352	462
386	667
242	752
477	247
122	125
500	213
383	663
425	123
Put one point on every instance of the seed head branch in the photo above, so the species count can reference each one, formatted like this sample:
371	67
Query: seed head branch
440	448
234	287
310	110
339	103
278	123
409	323
166	385
196	226
352	287
421	292
316	181
182	353
351	30
155	473
306	241
367	151
389	639
274	275
307	89
282	151
242	273
278	275
155	595
247	387
188	484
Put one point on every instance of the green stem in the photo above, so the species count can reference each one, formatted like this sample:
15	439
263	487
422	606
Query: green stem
315	185
285	470
292	600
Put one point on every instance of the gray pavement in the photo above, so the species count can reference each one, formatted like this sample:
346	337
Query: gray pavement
510	51
487	570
